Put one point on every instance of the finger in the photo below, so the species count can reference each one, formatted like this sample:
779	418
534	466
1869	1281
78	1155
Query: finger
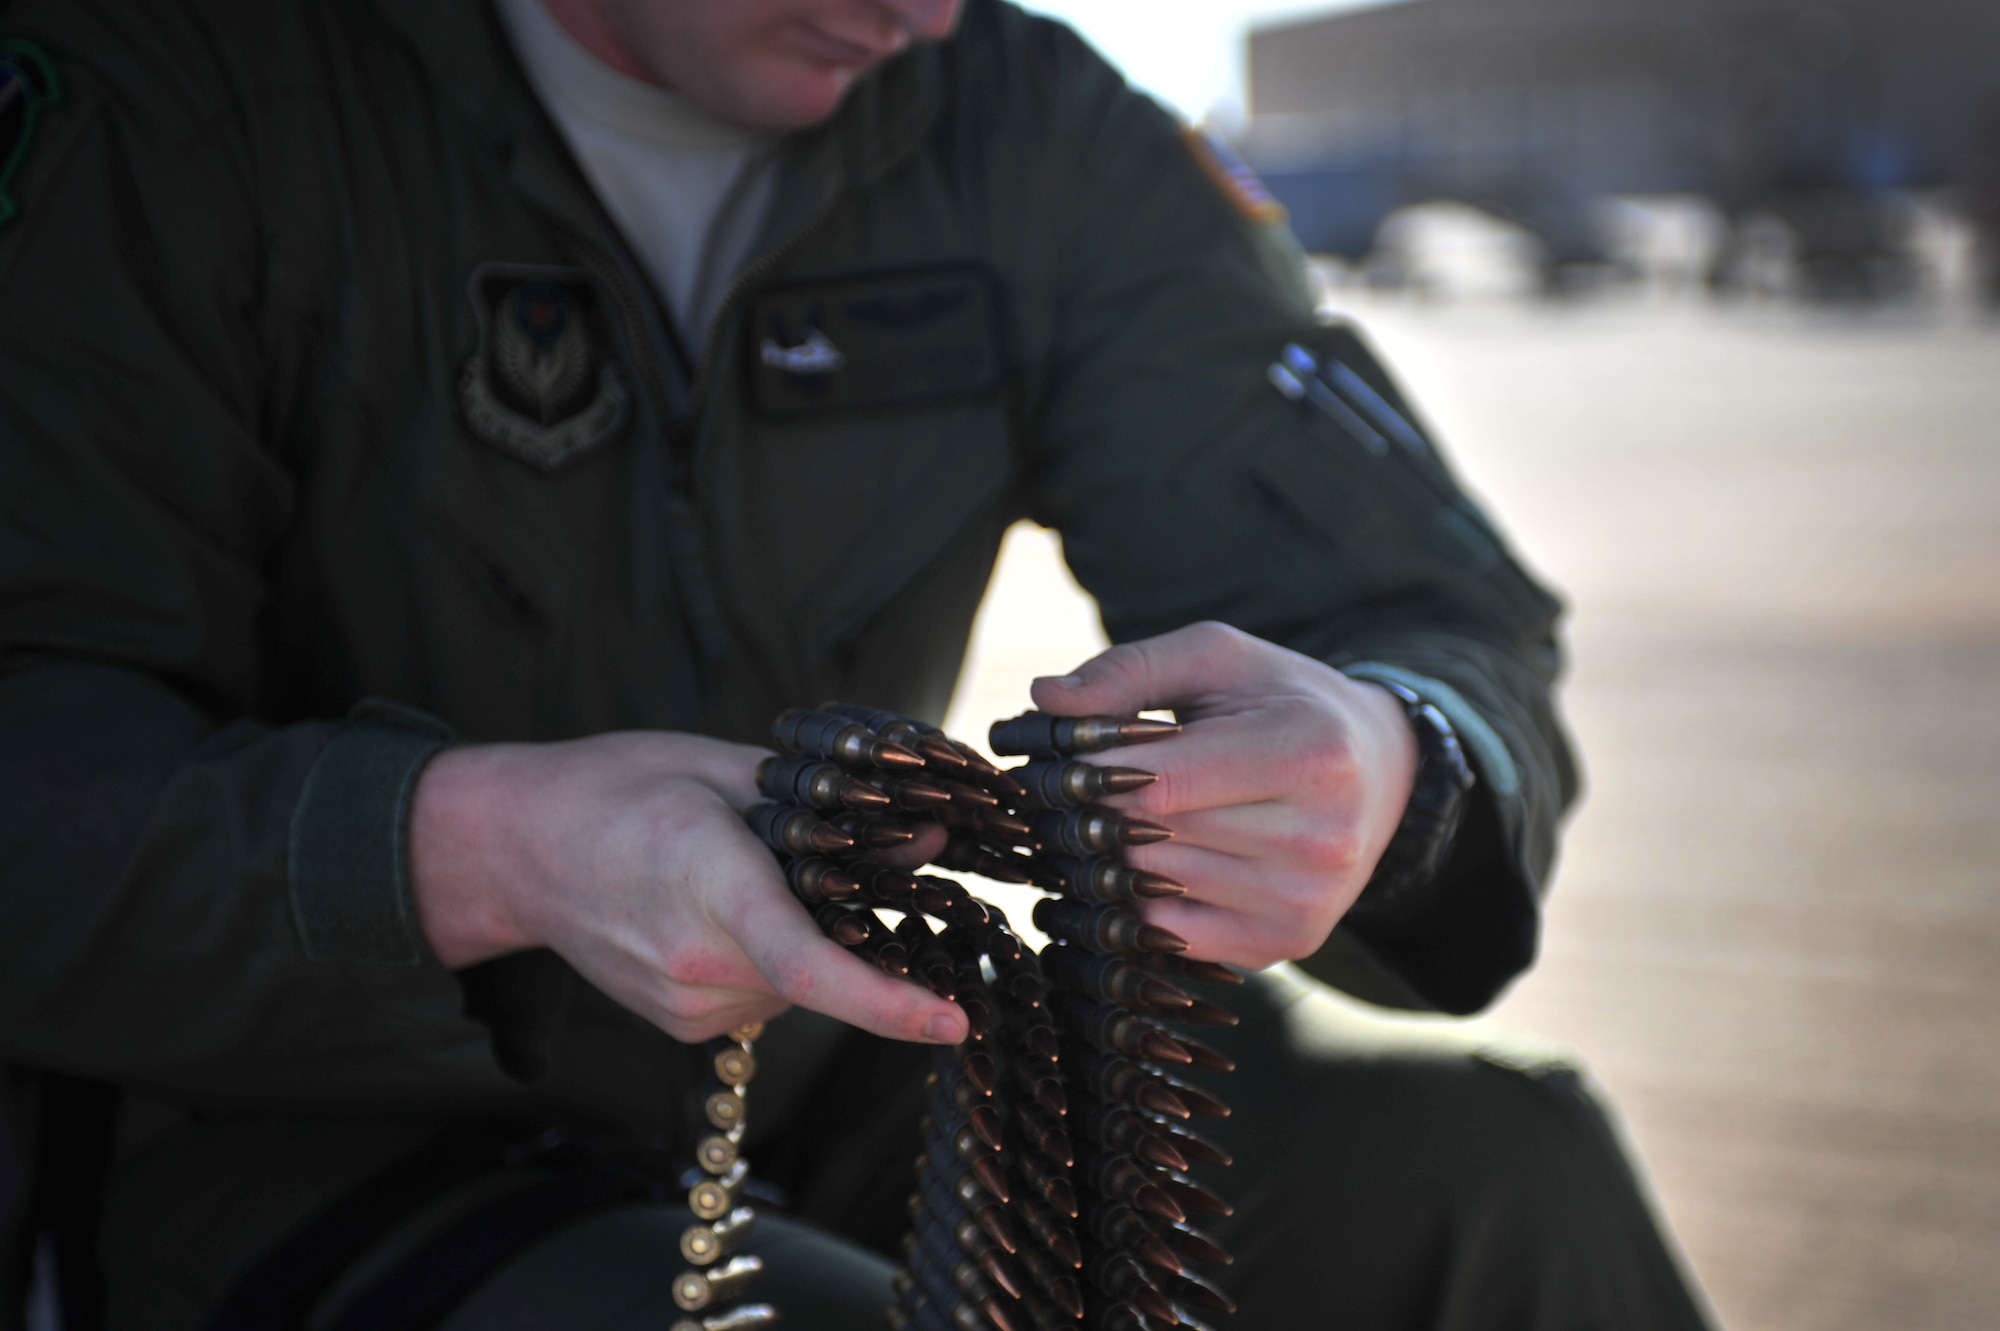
805	968
1215	933
1241	758
1190	667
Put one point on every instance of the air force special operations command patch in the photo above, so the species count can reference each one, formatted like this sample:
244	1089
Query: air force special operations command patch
28	87
542	387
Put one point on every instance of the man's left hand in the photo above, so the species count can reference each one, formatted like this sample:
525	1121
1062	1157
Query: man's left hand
1282	790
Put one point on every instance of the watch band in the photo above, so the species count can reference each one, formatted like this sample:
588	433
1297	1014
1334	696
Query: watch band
1423	840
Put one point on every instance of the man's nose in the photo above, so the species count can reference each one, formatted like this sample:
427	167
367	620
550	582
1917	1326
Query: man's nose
924	20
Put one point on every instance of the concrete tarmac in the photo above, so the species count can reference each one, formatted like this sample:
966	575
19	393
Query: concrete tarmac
1775	934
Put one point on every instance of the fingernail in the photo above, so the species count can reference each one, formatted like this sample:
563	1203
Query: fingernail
944	1030
1065	681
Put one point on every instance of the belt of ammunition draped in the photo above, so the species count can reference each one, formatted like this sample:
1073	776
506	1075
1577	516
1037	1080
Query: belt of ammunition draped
1054	1175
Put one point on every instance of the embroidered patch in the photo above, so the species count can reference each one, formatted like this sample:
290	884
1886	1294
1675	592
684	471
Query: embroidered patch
542	387
28	87
1233	176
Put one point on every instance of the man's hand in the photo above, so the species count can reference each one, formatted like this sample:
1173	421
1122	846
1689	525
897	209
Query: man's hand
627	854
1282	791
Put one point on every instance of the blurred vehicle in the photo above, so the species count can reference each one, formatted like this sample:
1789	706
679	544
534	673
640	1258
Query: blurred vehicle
1812	123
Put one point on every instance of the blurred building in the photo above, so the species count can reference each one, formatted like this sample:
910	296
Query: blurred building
1812	117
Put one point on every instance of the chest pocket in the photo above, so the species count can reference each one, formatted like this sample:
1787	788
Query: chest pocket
925	335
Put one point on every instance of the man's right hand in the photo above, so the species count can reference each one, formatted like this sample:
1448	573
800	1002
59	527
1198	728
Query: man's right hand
628	856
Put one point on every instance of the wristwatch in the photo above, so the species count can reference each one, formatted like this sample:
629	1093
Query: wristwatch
1423	839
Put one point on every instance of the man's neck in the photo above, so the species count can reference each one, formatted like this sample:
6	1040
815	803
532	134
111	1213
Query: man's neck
584	21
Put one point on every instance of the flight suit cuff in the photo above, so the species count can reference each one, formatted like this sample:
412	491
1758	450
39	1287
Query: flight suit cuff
348	860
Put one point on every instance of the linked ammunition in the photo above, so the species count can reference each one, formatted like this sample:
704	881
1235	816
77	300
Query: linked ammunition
1122	1278
696	1290
936	748
873	833
845	925
1040	733
714	1198
1194	1196
1112	979
724	1109
839	740
746	1317
1187	968
1198	1149
1120	1227
880	885
716	1152
910	794
1110	1077
799	778
964	854
1103	928
1117	1129
1106	879
1185	1286
1114	1174
1191	1244
1052	1186
1044	1133
704	1244
790	830
734	1065
1060	783
1115	1029
1091	830
816	881
1204	1056
1049	1230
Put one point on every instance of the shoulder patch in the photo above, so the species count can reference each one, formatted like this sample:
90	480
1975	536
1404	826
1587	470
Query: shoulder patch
1233	176
28	87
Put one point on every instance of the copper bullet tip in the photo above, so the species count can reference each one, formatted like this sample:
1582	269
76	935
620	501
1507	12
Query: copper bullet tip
850	932
940	752
973	796
882	836
1120	780
860	795
1147	884
1156	1152
1201	1012
996	1270
1064	1248
1158	993
1155	1305
979	1071
1143	730
1159	1100
1150	1197
1152	938
1049	1095
985	1124
838	886
1163	1048
888	753
1153	1252
893	960
1139	832
825	837
922	794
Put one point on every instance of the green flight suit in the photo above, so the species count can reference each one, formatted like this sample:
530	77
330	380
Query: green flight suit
279	517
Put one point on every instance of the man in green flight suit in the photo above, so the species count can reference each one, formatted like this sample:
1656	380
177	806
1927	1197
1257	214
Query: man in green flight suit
435	439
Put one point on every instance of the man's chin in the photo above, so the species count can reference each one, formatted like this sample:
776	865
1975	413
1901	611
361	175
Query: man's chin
804	98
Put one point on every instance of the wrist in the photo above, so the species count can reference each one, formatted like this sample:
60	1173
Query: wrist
464	853
1424	838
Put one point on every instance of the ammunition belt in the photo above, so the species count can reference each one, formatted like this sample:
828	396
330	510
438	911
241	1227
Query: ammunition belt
1054	1178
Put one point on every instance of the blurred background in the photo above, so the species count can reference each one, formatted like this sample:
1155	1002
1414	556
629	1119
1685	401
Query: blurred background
1704	297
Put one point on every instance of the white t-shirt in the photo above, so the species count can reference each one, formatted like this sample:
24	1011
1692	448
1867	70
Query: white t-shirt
687	190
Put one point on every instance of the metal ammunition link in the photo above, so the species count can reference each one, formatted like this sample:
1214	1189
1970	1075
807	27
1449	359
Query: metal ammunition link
1056	1131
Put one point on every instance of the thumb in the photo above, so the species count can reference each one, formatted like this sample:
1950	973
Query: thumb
1186	668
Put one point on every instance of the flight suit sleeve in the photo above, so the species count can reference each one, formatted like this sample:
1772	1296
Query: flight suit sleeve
1187	486
190	897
